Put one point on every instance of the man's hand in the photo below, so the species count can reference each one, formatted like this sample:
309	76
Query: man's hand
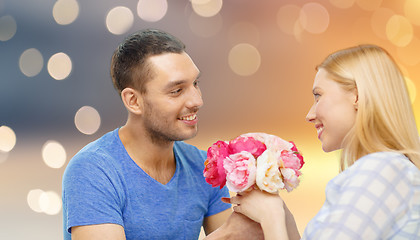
238	227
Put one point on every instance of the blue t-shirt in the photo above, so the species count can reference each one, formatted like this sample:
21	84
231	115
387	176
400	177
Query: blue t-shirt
102	184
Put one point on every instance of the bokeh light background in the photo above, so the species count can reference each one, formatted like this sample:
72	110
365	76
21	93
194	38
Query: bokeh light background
257	60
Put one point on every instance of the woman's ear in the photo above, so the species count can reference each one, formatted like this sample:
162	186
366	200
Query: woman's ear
356	100
132	100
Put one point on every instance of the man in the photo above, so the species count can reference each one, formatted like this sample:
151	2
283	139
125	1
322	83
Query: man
141	181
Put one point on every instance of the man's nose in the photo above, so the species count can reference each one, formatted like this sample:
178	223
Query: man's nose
195	99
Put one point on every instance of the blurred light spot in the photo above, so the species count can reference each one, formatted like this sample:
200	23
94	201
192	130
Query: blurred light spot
8	27
399	30
65	11
33	200
87	120
287	17
59	66
342	3
379	20
119	20
244	59
412	11
207	8
410	54
7	139
314	18
50	203
205	27
244	32
54	154
298	30
369	5
31	62
152	10
411	87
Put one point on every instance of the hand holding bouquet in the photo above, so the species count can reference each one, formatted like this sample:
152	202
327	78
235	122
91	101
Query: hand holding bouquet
260	159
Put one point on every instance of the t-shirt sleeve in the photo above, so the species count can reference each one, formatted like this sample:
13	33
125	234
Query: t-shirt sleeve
89	194
215	204
367	204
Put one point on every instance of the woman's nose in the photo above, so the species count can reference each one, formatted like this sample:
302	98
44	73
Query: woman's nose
310	117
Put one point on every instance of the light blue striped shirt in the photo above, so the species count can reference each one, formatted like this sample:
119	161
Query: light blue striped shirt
378	197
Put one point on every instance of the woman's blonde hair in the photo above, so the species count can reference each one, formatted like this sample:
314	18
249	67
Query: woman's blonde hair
385	119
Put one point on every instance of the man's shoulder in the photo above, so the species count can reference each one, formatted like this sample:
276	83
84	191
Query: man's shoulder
190	154
100	149
188	149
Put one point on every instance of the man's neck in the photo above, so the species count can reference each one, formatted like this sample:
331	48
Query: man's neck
155	158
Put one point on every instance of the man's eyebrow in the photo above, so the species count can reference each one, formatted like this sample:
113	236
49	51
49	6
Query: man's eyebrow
174	84
179	82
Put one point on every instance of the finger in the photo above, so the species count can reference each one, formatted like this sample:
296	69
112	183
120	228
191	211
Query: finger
237	208
226	200
235	200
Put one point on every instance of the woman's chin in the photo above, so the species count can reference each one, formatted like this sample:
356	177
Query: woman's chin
326	148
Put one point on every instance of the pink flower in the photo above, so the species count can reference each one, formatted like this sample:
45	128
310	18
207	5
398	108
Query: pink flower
265	160
240	171
214	171
290	178
248	144
291	160
272	142
297	153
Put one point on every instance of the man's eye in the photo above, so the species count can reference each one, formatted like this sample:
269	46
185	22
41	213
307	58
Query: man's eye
176	91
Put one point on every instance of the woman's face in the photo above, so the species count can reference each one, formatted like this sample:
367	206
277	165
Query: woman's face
333	112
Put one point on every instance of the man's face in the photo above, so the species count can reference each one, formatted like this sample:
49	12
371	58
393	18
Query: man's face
172	98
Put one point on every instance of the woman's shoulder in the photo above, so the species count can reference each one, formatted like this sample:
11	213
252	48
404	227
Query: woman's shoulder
390	167
383	160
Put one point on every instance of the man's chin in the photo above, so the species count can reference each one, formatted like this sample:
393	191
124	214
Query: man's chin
190	135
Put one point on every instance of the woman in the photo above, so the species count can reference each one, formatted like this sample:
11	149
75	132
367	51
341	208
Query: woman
362	107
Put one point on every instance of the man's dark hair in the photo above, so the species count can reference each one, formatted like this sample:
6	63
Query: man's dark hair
129	65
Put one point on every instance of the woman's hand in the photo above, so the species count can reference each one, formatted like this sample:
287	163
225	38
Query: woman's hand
257	204
264	208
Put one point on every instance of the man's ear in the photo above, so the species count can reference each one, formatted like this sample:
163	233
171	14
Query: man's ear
132	100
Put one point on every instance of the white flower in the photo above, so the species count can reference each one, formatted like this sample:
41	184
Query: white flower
268	176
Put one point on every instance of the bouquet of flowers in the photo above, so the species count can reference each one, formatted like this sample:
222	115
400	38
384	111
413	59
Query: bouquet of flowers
260	159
